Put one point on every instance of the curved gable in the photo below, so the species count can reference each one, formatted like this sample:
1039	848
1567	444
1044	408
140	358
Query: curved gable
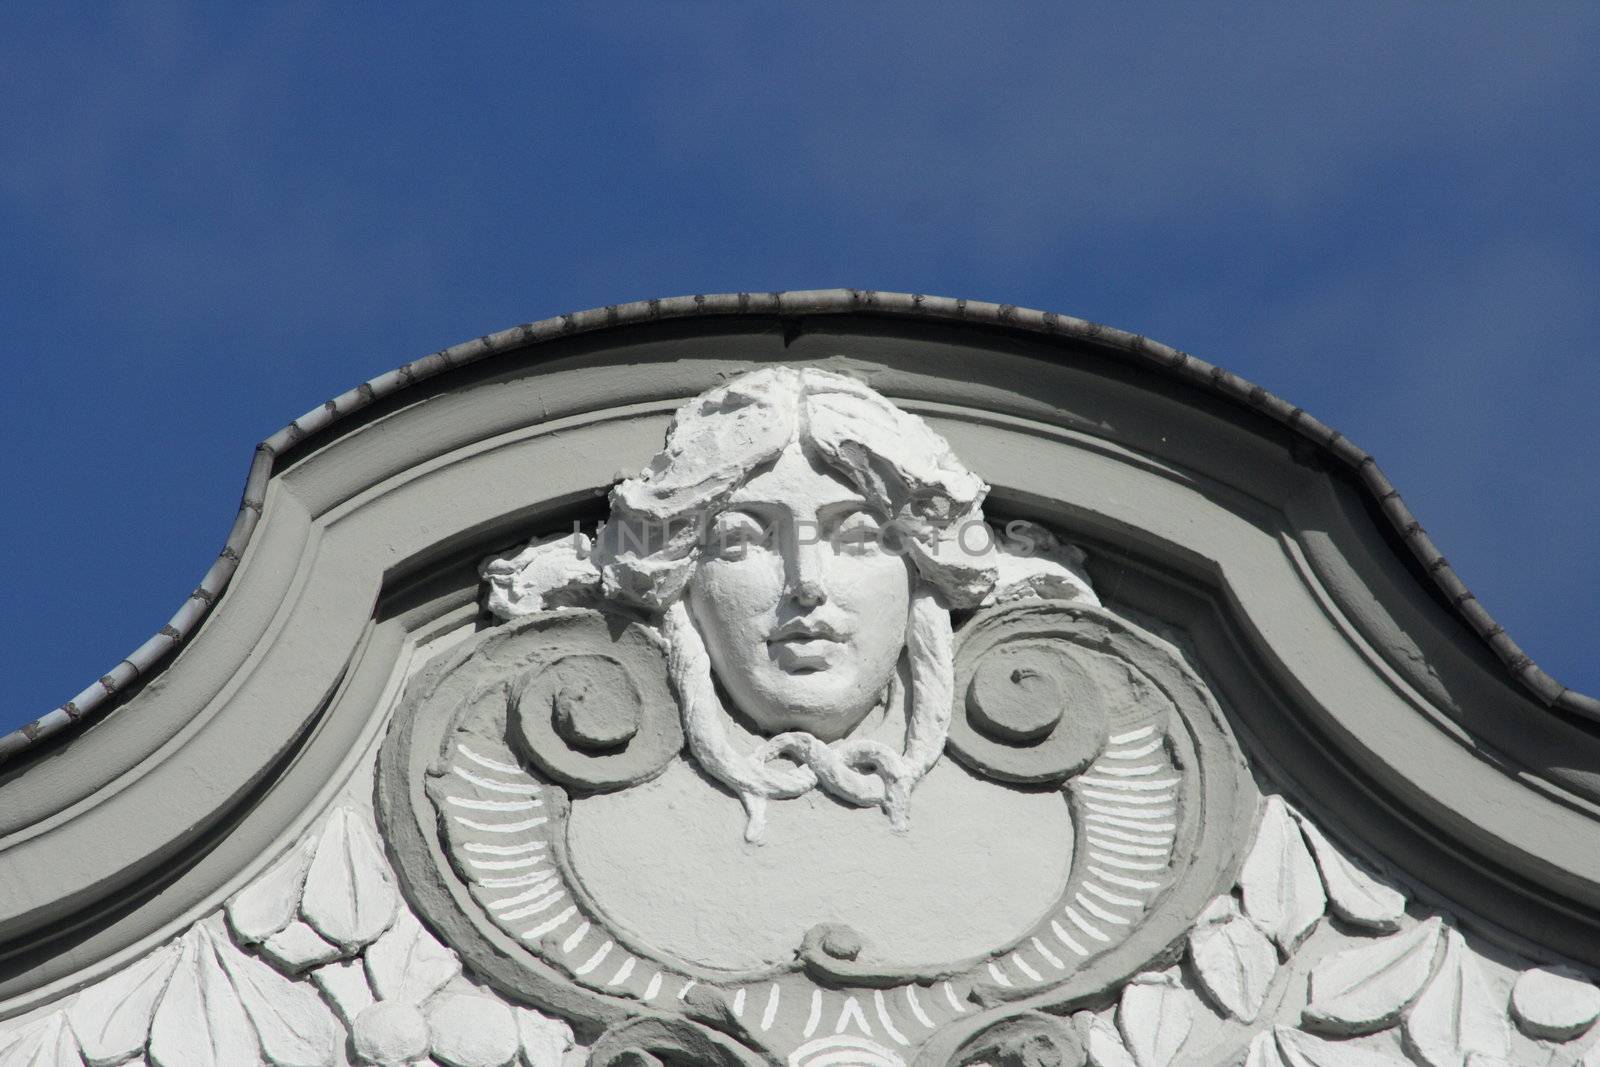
1356	673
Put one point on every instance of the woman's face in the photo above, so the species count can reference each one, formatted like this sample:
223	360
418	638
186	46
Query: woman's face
802	606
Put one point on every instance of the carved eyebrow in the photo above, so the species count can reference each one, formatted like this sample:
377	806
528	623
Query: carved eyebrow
759	510
839	493
844	509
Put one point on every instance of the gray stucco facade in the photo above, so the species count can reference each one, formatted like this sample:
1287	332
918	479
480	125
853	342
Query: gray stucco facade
1372	779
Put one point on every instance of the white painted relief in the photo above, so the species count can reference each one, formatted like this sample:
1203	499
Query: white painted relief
379	989
1346	997
801	759
802	542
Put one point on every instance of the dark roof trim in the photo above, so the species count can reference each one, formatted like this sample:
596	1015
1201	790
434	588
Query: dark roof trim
1137	349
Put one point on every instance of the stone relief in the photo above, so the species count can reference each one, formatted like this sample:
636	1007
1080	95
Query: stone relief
800	543
322	962
319	963
799	738
800	759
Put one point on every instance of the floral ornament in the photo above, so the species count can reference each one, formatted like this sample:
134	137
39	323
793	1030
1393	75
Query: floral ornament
46	1042
406	1002
330	897
1310	961
1314	961
325	966
199	1002
397	988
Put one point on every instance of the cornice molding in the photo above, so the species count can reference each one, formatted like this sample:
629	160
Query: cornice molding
1138	350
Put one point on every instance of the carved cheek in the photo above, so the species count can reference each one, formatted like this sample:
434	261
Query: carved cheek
740	589
735	605
873	586
874	592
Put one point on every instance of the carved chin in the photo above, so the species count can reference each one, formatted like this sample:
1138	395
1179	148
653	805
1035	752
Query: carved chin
827	703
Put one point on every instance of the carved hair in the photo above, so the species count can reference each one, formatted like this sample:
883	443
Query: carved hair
648	550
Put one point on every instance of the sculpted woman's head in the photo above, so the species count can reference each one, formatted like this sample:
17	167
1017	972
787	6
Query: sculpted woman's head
799	538
802	605
796	514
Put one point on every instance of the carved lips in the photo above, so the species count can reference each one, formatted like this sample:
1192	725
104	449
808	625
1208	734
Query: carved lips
806	644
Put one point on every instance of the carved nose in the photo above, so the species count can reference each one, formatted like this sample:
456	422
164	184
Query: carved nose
806	569
808	591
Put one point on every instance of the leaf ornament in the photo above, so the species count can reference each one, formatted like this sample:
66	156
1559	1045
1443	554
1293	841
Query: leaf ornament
295	1027
1366	988
1154	1017
1457	1016
407	963
224	1008
200	1021
269	905
112	1019
348	898
1263	1052
1353	894
1302	1050
297	947
344	985
1233	960
328	898
1279	882
545	1041
46	1042
1101	1042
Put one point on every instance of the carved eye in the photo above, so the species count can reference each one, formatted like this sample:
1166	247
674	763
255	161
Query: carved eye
733	533
858	529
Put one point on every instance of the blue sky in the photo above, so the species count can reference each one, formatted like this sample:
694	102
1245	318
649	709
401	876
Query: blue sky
213	219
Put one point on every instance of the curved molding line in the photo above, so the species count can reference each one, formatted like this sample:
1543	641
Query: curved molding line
1136	349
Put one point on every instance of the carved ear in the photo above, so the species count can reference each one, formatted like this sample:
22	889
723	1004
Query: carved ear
1040	687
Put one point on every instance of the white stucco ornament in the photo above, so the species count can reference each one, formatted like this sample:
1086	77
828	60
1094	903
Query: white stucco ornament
803	739
798	538
799	757
551	574
1280	883
1233	960
1354	895
1554	1002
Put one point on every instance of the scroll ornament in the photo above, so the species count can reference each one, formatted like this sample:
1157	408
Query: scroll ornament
698	711
322	962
